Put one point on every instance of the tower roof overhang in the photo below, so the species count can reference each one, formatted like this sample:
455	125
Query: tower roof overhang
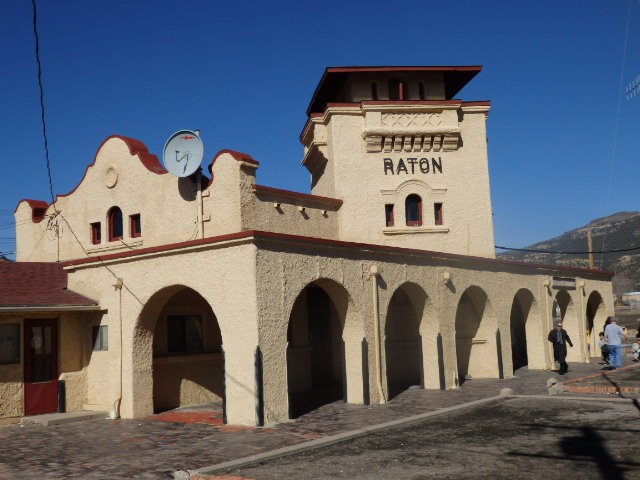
333	79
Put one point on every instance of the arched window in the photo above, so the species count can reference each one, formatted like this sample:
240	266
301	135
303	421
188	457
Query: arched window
413	210
114	221
397	90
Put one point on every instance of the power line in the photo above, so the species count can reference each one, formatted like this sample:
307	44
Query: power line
42	116
615	130
584	252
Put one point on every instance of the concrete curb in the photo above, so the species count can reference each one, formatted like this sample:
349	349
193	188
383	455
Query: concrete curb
605	373
577	398
340	437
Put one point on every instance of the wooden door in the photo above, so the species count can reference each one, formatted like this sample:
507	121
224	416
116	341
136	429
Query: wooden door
40	366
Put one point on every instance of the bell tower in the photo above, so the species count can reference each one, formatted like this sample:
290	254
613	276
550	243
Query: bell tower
408	160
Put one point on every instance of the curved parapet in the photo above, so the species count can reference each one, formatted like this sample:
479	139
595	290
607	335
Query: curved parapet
136	148
38	209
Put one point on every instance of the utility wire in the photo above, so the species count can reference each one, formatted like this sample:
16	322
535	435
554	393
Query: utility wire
617	122
44	123
584	252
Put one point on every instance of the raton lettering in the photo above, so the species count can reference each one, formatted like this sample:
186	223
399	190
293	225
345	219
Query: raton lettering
412	166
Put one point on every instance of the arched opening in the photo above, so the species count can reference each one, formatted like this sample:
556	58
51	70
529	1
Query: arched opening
403	342
476	335
593	311
413	210
187	353
564	311
315	352
520	309
115	224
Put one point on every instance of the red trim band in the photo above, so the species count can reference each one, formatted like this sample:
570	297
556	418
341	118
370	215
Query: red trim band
258	234
261	189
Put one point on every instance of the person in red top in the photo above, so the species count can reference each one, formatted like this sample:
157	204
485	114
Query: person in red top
559	337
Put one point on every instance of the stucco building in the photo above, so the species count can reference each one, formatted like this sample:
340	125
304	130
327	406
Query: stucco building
166	291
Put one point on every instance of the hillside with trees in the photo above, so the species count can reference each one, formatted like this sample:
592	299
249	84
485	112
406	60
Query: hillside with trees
616	243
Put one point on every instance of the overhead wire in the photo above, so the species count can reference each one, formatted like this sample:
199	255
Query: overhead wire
564	252
602	250
616	126
42	109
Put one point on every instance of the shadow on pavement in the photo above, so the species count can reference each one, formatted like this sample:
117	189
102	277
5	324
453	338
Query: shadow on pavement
587	446
634	401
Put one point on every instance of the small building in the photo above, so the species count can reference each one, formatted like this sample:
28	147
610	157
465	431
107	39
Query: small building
214	287
632	299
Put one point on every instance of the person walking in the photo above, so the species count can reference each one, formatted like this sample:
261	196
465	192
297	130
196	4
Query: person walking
559	338
613	335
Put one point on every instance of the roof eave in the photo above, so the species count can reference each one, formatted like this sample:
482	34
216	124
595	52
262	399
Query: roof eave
49	308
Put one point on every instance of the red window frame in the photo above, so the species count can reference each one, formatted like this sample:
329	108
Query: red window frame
413	222
115	224
96	233
135	226
388	213
438	214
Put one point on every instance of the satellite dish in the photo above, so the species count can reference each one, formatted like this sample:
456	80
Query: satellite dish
183	153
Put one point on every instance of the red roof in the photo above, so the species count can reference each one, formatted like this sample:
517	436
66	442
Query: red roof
37	284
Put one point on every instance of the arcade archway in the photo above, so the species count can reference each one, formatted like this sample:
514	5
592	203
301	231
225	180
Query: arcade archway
403	342
476	333
315	352
179	336
519	325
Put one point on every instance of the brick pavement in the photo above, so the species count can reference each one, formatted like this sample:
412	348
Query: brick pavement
621	381
187	439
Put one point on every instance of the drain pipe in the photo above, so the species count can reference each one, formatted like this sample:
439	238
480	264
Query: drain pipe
115	411
375	271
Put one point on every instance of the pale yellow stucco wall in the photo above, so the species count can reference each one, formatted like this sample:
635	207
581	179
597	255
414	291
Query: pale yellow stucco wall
192	241
224	277
282	275
72	348
11	377
342	133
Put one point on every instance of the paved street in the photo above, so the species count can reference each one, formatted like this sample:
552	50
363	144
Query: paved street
188	439
550	438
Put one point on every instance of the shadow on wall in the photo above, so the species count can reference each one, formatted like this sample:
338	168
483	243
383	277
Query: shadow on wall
441	376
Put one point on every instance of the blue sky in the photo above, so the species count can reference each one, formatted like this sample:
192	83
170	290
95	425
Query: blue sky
560	128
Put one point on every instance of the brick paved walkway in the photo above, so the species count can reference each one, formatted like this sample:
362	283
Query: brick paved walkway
154	447
622	381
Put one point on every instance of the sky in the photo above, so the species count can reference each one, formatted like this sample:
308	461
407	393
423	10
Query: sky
563	137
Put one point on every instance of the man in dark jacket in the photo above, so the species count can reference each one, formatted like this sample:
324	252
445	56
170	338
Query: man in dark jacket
559	337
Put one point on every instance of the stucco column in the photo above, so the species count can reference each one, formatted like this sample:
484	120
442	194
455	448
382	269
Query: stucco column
503	335
353	369
240	381
430	359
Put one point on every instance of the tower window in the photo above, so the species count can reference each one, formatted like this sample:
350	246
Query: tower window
413	210
136	226
96	234
437	213
115	224
374	91
422	92
388	211
398	90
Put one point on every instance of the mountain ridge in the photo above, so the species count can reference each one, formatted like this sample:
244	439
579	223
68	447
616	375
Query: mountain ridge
619	231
